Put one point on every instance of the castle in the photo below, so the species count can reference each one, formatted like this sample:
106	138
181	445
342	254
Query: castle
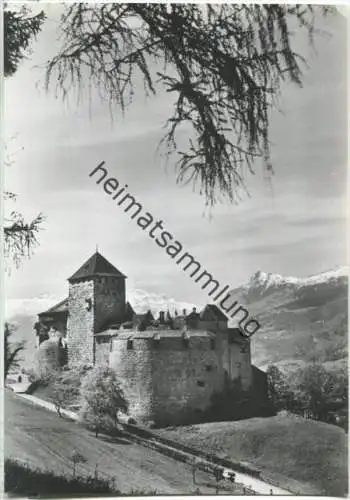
170	367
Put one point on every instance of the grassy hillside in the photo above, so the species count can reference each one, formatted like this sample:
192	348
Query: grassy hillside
42	440
305	456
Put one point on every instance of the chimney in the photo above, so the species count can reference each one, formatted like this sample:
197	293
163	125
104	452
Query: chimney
161	317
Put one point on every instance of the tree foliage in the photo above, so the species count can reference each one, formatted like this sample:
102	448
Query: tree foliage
11	350
20	27
65	389
279	391
319	388
102	399
311	387
20	236
224	64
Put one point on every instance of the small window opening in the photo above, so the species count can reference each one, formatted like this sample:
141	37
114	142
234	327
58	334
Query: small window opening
200	383
212	344
209	368
129	344
185	339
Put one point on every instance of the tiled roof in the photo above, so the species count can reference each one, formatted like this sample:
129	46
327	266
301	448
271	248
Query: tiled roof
162	334
212	308
58	308
97	265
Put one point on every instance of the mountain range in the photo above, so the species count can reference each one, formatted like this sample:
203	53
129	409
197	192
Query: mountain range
302	319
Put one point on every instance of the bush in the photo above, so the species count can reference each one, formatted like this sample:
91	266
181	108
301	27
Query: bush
20	479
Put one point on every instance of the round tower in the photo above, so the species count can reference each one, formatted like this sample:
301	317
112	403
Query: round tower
48	357
168	376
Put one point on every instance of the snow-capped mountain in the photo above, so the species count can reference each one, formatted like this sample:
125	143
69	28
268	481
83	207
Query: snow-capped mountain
301	318
142	301
267	280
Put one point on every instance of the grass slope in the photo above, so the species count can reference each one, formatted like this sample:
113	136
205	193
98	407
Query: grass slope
39	438
306	456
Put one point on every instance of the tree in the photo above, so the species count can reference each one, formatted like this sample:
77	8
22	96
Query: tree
11	350
102	399
280	393
20	237
224	64
65	390
20	27
77	458
319	387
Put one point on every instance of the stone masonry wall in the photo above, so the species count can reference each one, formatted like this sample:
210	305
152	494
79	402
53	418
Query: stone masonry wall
184	379
102	349
134	369
167	382
80	324
235	359
109	299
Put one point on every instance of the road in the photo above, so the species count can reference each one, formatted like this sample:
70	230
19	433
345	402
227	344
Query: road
40	438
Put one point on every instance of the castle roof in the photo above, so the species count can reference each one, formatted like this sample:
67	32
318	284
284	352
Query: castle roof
163	334
96	265
212	311
61	307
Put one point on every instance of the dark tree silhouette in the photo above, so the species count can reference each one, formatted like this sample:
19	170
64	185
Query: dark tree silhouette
224	64
11	350
20	27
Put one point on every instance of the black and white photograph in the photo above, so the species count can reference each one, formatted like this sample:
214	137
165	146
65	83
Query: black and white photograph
174	287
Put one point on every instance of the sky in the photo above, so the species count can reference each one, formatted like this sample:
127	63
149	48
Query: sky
298	229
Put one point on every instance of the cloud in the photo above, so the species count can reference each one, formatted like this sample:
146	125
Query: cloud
29	306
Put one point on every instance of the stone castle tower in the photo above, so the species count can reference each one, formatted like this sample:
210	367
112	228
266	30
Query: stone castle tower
96	297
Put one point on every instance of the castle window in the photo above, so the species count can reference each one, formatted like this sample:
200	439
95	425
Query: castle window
212	344
185	339
156	339
200	383
209	368
129	344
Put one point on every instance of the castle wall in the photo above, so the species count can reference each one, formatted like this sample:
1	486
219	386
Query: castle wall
47	357
134	369
80	324
184	379
235	359
167	382
109	299
102	350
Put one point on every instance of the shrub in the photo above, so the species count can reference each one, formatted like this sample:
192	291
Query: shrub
20	479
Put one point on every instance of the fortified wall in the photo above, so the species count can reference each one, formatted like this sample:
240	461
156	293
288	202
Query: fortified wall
169	377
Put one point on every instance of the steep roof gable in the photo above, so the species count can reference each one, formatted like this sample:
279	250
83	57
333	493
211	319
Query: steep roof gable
96	265
211	311
61	307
